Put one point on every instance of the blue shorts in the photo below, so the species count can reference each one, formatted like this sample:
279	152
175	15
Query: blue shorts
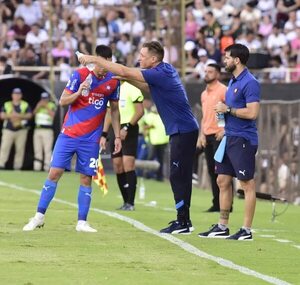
87	155
239	159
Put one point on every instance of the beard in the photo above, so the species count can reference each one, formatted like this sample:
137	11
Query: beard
230	68
209	80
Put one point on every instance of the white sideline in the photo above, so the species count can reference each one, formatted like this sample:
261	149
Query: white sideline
182	244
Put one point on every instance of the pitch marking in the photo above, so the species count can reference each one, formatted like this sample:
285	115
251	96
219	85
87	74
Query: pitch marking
182	244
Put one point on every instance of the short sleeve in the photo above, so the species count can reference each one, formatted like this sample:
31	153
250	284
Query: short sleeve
152	76
252	92
74	82
115	95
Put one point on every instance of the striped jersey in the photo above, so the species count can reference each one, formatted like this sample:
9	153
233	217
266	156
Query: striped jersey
84	118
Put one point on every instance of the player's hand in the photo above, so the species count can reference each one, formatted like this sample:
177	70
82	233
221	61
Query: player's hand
118	145
203	141
103	143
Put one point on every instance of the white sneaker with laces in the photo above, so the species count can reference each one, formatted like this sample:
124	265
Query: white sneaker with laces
83	226
37	221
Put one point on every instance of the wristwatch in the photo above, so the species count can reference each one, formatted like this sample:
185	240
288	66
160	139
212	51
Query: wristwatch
126	127
228	110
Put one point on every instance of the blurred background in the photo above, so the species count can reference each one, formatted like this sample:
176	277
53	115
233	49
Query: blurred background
38	41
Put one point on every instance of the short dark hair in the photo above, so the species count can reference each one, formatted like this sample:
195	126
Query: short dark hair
240	51
156	48
104	51
216	66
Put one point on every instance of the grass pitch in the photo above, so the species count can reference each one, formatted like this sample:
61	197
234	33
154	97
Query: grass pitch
123	254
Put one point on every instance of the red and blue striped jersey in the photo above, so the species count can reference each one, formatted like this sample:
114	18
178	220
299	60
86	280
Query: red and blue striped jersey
84	118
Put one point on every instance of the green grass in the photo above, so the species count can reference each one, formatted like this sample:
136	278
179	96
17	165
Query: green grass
122	254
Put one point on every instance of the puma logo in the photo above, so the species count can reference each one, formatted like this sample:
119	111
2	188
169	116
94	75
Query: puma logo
176	163
242	172
46	187
88	194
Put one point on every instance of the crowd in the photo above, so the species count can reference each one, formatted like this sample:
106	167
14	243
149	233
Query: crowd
270	29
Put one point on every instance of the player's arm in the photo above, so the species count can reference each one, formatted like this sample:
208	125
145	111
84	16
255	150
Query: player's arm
143	86
129	73
67	97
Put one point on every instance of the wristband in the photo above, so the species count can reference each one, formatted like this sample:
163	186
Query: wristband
104	134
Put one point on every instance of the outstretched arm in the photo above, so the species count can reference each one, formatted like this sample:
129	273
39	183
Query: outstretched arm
126	72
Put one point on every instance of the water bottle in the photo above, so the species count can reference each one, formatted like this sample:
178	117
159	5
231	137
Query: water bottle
90	66
221	120
86	91
142	189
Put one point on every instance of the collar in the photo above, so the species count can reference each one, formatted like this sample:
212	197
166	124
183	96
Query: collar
241	75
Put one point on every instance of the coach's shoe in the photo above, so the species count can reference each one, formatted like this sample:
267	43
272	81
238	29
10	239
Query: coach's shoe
215	232
241	235
83	226
37	221
122	207
176	228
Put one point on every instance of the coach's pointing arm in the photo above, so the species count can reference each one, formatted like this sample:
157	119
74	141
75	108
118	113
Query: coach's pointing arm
130	74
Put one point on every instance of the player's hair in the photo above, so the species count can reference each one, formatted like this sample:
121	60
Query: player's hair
240	51
216	66
155	48
104	51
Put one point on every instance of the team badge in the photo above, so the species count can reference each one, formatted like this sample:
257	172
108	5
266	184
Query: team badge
108	87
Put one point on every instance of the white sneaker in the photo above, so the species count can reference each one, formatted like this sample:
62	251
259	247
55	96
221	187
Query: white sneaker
83	226
37	221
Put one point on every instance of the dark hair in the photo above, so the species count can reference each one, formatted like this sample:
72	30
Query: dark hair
155	48
104	51
216	66
3	59
240	51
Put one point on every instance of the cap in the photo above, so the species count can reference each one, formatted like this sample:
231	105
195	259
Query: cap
189	46
16	91
210	41
202	52
45	95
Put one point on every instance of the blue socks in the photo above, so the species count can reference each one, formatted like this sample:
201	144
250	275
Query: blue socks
47	195
84	201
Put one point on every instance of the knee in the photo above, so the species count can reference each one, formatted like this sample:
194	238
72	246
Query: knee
55	174
223	182
85	180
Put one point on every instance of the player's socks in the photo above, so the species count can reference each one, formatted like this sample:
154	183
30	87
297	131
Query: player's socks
222	227
248	230
47	195
122	181
132	180
84	202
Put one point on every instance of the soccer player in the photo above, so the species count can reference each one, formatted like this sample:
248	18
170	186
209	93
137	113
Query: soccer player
241	141
131	110
162	81
80	134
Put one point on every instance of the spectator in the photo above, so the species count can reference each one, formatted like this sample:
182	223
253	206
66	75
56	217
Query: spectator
212	29
15	114
212	49
265	26
37	38
103	32
199	11
60	51
203	62
21	30
11	47
250	15
191	26
5	67
124	45
85	44
250	41
276	41
278	71
30	11
291	25
58	26
222	11
171	52
43	136
267	7
86	13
